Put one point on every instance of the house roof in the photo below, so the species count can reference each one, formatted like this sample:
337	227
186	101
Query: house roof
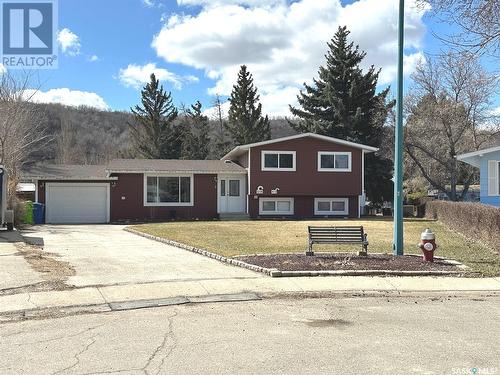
243	148
66	172
474	158
161	165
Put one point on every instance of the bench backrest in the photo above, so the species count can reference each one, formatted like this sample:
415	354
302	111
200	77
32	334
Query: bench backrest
336	234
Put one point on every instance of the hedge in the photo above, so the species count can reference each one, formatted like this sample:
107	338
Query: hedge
477	221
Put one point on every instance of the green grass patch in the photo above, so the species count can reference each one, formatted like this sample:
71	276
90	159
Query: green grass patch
231	238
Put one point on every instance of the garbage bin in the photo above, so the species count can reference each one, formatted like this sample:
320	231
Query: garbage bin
28	213
38	211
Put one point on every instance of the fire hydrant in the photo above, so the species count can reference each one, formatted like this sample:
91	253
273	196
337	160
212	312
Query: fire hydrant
428	244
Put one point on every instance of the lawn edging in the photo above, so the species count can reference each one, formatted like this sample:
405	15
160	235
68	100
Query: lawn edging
193	249
273	272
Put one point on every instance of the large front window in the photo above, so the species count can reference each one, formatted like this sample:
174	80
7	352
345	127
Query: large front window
168	190
278	160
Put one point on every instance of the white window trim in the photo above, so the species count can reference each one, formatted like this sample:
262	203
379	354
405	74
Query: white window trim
493	181
345	200
168	204
262	212
294	157
321	153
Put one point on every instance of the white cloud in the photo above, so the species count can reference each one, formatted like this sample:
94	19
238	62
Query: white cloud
69	42
495	111
153	3
2	69
215	3
68	97
94	58
138	75
284	44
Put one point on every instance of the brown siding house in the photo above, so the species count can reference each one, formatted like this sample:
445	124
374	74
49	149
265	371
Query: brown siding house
302	176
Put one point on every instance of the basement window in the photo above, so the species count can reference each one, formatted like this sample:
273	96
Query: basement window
331	206
276	206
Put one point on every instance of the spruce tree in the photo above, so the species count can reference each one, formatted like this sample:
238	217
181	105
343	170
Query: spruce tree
196	142
154	133
245	122
343	103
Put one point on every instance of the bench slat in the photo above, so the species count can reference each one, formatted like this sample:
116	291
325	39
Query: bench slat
348	235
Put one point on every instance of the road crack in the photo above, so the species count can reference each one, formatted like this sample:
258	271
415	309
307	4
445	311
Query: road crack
169	335
77	355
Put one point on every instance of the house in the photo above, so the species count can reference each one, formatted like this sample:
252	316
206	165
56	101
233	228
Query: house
488	162
301	176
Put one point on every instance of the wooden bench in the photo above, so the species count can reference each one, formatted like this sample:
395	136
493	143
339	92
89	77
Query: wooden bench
338	235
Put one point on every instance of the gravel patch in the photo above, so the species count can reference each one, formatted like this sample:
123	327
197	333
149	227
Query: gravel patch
343	262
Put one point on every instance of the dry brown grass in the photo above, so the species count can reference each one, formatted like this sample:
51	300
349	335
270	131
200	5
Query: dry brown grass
230	238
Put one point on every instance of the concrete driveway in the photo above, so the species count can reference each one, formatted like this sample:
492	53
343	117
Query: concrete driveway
15	272
108	255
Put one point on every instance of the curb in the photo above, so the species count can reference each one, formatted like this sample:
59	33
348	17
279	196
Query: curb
273	272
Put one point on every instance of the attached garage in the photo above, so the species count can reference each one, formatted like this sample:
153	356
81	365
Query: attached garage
76	203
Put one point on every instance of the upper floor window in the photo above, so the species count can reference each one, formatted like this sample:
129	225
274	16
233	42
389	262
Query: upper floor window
278	160
334	161
168	191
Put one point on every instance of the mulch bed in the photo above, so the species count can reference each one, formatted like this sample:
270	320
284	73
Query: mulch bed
334	262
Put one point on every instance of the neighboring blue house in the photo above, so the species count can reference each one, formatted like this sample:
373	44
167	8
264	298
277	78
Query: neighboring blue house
488	162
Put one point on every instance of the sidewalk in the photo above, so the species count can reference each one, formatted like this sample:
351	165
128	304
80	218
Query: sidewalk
264	287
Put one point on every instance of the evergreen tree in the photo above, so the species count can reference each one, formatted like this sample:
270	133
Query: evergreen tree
154	134
196	142
343	103
245	122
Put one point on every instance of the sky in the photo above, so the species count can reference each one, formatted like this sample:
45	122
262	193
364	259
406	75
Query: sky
109	48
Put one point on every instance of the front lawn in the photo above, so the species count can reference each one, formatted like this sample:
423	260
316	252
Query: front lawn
231	238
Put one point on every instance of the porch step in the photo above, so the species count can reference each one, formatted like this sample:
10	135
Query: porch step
232	217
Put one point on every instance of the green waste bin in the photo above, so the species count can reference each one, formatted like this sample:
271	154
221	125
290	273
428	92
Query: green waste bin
28	212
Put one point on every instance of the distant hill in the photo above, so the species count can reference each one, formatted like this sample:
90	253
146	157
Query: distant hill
90	136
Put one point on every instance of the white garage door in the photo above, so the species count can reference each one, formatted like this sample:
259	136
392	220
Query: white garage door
77	203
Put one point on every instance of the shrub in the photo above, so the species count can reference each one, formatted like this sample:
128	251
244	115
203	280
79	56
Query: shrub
476	221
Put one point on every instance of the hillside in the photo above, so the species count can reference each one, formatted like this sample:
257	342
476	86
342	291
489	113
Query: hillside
89	136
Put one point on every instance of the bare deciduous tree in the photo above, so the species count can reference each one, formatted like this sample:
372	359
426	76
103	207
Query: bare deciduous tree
21	132
448	113
478	23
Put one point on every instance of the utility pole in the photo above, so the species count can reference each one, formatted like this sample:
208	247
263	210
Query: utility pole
398	144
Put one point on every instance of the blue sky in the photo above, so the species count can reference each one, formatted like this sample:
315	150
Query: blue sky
108	48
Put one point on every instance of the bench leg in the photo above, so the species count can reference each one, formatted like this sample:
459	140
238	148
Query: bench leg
310	251
364	251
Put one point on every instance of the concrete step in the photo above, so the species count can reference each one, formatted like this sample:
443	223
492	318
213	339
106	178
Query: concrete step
234	216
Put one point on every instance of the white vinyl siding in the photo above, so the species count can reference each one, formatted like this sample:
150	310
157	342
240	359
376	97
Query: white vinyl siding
276	206
334	161
278	161
493	178
331	206
168	190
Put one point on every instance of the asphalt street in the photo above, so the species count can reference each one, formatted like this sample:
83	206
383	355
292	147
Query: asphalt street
399	335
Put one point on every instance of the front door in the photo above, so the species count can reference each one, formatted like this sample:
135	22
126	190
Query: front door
231	192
